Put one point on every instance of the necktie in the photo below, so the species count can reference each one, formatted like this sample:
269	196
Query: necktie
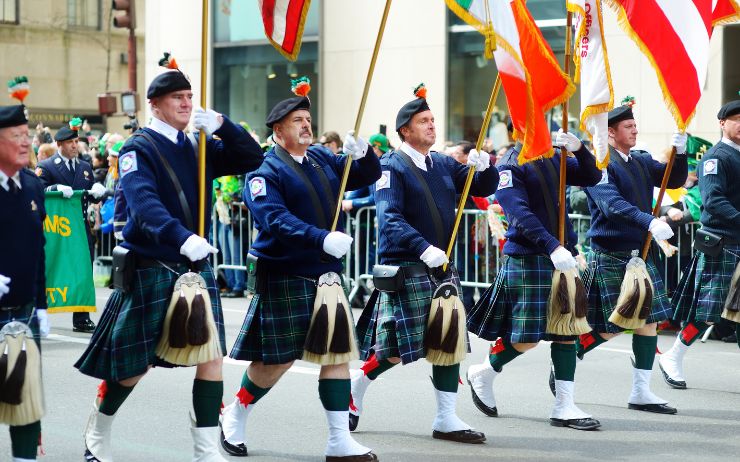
428	162
180	139
12	186
71	165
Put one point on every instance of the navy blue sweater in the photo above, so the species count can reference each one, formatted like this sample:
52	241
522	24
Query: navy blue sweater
289	239
156	224
22	242
362	197
721	200
531	230
621	204
405	225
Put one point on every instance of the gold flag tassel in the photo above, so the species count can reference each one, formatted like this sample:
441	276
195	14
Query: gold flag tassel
635	296
732	303
21	396
445	337
190	335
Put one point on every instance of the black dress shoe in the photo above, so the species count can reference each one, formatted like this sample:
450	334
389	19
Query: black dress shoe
678	384
369	457
551	381
237	450
460	436
233	294
86	326
89	457
578	424
656	408
353	421
487	410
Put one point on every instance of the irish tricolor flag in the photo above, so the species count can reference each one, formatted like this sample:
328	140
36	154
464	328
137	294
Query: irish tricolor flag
284	20
530	75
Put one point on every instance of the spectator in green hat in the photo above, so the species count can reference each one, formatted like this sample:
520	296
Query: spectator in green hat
379	142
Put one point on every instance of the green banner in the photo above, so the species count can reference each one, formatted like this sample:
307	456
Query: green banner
69	278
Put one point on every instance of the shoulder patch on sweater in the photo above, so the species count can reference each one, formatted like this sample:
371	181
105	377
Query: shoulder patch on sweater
604	177
257	187
384	182
127	163
711	167
504	179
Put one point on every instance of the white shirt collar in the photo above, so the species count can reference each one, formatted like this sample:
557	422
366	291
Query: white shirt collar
731	143
5	178
417	157
625	157
164	129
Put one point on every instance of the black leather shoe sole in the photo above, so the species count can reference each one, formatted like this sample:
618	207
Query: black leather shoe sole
677	384
656	408
551	380
369	457
353	421
487	410
460	436
237	450
578	424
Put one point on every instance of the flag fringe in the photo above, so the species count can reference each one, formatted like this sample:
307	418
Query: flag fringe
298	38
730	18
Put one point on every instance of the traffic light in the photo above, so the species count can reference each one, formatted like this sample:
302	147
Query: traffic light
128	18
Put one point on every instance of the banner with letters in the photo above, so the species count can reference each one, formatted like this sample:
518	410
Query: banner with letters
69	278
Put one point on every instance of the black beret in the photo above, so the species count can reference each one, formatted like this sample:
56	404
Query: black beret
65	134
12	116
729	109
619	114
285	107
409	110
167	82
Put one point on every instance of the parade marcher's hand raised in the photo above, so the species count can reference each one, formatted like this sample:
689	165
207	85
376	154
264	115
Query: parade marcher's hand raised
678	140
568	140
562	259
434	257
355	147
481	160
207	119
660	230
337	244
65	190
44	326
4	285
196	248
97	190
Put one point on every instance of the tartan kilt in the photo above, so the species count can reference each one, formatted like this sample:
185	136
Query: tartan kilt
22	314
126	337
399	320
515	306
277	321
604	281
701	294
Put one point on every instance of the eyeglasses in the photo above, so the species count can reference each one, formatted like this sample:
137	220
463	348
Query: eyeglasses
17	138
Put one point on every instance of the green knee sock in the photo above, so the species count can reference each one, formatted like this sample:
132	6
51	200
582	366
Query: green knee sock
207	397
373	367
446	378
588	342
25	440
564	360
249	393
501	353
643	347
334	394
112	395
692	331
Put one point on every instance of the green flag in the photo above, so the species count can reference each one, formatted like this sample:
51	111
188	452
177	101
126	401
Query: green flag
69	281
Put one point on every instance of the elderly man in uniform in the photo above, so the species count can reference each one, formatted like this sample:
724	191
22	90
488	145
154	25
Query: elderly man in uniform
22	279
66	172
413	237
160	231
701	295
293	248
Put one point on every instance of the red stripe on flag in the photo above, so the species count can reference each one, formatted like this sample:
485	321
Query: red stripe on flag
268	16
704	7
292	23
725	10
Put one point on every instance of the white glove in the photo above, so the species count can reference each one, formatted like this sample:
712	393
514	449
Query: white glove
562	259
44	326
65	190
434	257
208	120
337	244
4	285
356	147
196	248
679	141
118	235
481	160
660	230
568	140
97	190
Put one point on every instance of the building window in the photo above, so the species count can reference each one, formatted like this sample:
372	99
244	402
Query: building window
84	13
8	11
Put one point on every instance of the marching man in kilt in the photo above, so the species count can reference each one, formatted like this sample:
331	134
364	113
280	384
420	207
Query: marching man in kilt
621	207
709	287
159	233
292	198
515	316
414	228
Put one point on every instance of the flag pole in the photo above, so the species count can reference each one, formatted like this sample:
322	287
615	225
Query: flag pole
202	138
656	208
563	151
358	120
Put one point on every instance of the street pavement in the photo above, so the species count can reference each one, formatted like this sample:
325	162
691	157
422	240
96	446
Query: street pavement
289	424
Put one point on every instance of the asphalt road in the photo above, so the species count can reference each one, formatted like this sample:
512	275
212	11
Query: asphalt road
289	424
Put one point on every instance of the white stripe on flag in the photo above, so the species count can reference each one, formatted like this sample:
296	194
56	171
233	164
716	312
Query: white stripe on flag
279	20
689	25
